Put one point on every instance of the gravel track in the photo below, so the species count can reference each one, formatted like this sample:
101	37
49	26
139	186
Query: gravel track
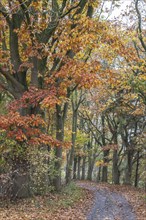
108	205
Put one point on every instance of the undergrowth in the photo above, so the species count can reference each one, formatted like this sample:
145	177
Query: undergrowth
69	195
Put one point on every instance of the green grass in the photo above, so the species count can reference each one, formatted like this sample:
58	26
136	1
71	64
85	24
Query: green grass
69	195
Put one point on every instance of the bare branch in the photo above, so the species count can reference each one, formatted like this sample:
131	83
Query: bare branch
4	13
25	9
139	25
71	9
8	88
10	78
63	5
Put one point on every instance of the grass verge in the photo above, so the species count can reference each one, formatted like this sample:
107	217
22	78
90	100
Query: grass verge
68	196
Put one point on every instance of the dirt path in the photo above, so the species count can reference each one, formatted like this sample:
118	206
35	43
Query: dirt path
108	205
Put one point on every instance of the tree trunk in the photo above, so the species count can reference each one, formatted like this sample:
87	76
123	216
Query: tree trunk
105	152
75	168
79	168
99	175
137	171
105	168
67	168
90	169
104	174
83	168
20	175
20	179
128	171
58	150
71	153
115	170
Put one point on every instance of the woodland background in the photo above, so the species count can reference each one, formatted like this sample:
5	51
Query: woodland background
72	95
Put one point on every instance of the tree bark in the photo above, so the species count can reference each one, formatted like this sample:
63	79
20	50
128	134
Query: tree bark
71	153
137	171
105	168
83	168
79	168
75	168
105	152
99	175
128	171
115	170
90	169
20	179
58	150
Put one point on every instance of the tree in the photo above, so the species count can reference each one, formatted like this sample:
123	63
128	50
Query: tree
43	58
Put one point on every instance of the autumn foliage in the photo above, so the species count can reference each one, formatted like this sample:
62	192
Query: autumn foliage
74	84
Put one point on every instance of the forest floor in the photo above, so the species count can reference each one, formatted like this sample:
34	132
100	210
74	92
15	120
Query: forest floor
81	201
